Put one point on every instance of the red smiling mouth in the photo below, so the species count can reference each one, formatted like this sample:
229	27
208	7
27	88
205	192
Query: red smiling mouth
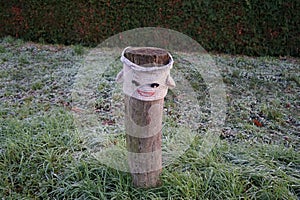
145	94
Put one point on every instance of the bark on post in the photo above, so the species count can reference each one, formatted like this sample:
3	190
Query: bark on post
143	124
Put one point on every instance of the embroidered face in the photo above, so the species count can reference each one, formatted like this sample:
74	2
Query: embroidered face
147	85
147	90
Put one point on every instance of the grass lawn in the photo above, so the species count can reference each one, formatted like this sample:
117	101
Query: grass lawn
44	156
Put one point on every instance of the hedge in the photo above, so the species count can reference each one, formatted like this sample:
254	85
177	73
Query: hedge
250	27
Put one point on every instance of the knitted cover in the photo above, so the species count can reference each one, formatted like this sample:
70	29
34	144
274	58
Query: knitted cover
145	83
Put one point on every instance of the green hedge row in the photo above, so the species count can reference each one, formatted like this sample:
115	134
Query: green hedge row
251	27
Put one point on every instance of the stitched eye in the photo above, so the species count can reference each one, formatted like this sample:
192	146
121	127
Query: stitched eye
154	85
135	83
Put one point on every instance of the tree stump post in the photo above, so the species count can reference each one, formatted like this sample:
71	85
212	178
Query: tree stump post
143	114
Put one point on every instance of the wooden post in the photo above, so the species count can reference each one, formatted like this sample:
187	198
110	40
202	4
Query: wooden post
144	153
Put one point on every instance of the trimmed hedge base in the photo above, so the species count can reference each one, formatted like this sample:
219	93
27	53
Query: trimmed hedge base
248	27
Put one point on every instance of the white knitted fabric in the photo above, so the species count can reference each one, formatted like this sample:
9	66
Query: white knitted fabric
145	83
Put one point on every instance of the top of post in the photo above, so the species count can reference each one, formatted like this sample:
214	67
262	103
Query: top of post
147	56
